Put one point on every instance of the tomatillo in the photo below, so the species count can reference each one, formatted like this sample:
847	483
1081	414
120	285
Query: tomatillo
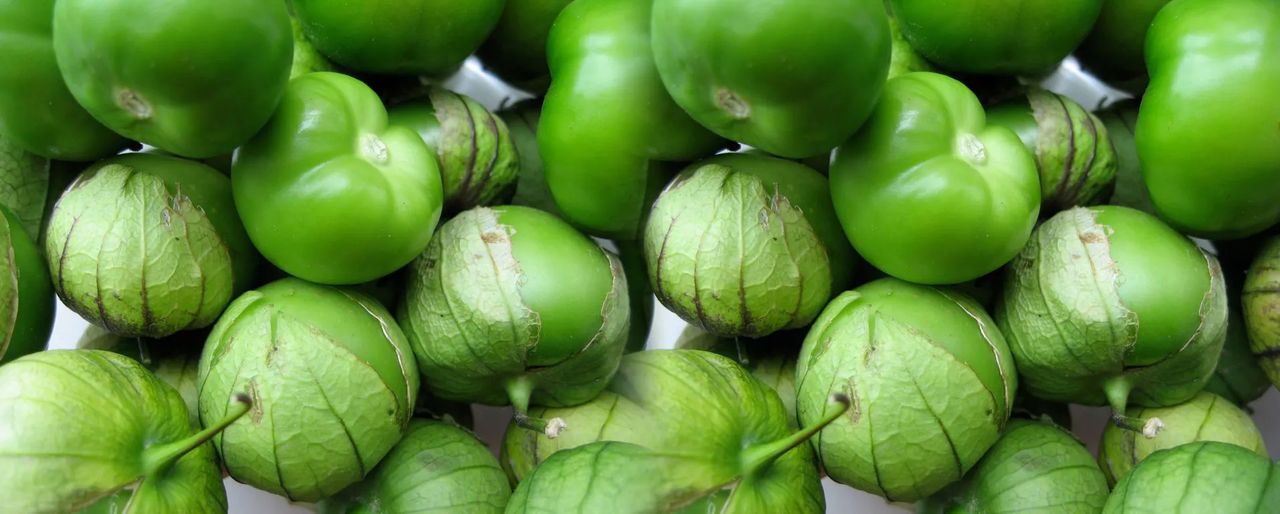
405	37
1205	476
26	293
516	51
999	37
195	78
793	78
1208	134
609	131
1113	50
331	193
37	111
927	191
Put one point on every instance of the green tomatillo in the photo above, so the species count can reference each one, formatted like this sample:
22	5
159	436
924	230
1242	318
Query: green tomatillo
998	37
26	295
610	134
27	186
927	191
1259	300
1205	417
1073	152
512	305
332	380
1034	467
196	78
1207	133
794	78
771	359
746	245
607	417
102	424
37	112
1206	476
174	360
437	466
1092	316
516	51
478	158
1113	50
329	191
605	476
146	245
930	377
408	37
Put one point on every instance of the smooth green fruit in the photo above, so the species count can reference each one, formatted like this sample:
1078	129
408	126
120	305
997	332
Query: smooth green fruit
746	245
512	305
927	191
1206	417
410	37
607	417
37	112
1092	317
147	245
26	294
794	78
1034	467
931	380
332	379
167	74
1113	50
1206	476
436	467
606	476
100	423
516	51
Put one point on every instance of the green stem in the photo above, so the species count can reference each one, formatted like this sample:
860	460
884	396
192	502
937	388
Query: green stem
762	456
519	390
1117	389
157	459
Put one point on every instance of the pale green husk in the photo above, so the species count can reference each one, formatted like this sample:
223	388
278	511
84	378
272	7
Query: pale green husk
1074	153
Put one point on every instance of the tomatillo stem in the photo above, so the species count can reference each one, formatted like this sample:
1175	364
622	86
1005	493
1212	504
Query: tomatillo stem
1117	389
762	456
158	458
519	390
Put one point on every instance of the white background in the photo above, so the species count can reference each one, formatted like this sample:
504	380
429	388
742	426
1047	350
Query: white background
492	421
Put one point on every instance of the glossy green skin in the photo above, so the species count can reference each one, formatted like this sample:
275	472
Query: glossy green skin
607	417
516	51
147	245
435	467
927	191
1206	417
933	380
542	314
27	293
331	193
1199	477
1092	317
415	37
1207	130
794	78
606	476
97	421
609	131
1113	50
1034	467
37	111
303	352
1000	37
130	64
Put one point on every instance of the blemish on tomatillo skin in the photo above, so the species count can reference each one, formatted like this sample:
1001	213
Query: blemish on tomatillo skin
736	107
373	149
134	104
971	149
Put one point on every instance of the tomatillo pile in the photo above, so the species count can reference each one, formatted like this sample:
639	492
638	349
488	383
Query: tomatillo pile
692	256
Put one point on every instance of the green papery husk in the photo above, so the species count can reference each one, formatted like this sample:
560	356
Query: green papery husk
25	178
1071	334
771	359
175	359
607	417
148	245
924	409
1206	417
436	467
1206	476
473	334
332	379
1260	302
733	256
113	426
1034	467
1238	377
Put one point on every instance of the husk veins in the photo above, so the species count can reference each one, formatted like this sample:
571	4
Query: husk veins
479	161
1074	153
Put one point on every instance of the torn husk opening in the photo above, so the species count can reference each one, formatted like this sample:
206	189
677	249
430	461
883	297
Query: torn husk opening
1117	389
519	390
158	458
759	457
